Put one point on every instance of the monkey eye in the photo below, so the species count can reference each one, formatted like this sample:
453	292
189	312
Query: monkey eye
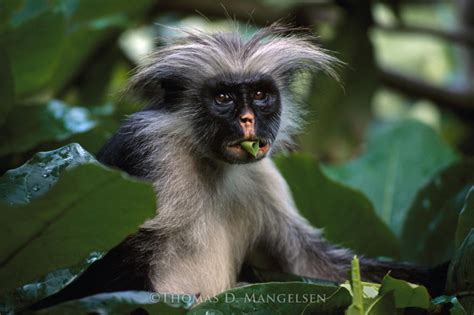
223	98
260	95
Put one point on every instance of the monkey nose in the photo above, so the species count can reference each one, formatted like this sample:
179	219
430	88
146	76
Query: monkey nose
247	122
247	119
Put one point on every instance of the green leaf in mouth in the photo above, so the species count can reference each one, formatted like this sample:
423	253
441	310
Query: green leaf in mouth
251	147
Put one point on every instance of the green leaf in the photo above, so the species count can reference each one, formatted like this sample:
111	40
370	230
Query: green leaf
461	274
126	302
43	287
466	218
357	306
430	227
277	298
34	57
337	208
90	208
40	173
54	121
250	146
395	167
406	294
383	305
7	85
263	275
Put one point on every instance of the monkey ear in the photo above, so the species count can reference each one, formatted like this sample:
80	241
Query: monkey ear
144	86
153	83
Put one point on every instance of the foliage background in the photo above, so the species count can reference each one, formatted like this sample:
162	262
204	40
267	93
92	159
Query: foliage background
385	154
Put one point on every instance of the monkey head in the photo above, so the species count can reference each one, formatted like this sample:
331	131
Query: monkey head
227	89
237	108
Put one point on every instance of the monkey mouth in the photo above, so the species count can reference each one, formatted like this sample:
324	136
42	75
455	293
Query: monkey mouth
238	154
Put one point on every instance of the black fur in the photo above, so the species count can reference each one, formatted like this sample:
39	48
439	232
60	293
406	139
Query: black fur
124	267
121	151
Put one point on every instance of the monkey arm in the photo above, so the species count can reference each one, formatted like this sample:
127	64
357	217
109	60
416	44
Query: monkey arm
306	253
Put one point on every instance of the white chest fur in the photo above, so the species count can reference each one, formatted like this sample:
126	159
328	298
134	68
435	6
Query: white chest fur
219	223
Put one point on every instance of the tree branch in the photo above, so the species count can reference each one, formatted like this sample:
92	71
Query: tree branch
460	36
459	102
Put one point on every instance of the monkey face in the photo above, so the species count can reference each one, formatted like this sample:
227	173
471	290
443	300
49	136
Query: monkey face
236	110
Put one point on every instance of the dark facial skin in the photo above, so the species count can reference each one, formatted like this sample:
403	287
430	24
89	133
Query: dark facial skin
236	110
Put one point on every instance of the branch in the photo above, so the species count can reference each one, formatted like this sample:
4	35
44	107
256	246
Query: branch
460	36
460	102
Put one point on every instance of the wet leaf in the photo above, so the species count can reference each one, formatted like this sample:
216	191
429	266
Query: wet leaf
91	208
43	287
126	302
40	173
280	298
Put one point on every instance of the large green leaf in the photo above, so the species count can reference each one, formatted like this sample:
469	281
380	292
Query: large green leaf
406	294
383	305
58	36
466	218
399	160
264	275
34	48
43	287
127	302
90	208
346	215
79	45
28	126
35	177
460	279
278	298
430	227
